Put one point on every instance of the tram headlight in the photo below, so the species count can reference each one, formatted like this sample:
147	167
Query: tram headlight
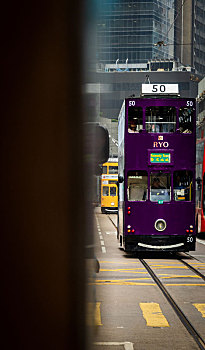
160	225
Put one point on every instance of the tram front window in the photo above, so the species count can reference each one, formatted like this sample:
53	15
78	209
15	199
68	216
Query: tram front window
105	191
160	187
161	119
137	185
113	191
183	185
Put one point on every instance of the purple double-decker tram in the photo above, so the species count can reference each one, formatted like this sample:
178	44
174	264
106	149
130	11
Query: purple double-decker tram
156	155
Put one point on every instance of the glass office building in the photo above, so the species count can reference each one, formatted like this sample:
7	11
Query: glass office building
128	30
199	36
190	34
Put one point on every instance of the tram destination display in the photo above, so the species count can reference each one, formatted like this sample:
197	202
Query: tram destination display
160	158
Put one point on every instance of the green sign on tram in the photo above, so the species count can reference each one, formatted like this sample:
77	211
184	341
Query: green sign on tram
162	158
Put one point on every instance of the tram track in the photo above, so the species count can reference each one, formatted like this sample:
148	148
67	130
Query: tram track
187	324
183	318
112	221
193	269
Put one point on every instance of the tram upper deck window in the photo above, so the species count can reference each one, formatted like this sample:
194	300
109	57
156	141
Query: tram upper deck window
113	169
161	119
183	185
186	120
135	119
137	185
160	184
104	169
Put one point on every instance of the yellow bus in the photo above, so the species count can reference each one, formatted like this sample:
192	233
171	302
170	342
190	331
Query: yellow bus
109	188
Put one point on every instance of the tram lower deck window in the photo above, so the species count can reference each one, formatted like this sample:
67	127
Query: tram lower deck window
113	191
105	191
160	184
183	185
137	185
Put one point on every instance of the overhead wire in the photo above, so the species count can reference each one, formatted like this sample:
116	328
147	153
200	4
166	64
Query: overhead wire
180	9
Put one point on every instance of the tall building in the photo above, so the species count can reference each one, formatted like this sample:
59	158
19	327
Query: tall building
136	31
128	29
190	34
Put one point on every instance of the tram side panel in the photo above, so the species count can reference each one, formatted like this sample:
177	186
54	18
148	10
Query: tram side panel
200	179
121	163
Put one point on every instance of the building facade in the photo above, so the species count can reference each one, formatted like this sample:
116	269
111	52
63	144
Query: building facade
201	101
127	30
190	34
136	31
114	87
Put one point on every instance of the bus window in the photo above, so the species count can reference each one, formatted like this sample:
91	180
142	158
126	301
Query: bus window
137	186
186	120
135	120
113	169
183	185
161	119
105	191
113	191
160	187
104	169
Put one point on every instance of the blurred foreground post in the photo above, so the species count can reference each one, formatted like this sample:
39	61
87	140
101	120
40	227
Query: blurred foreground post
42	190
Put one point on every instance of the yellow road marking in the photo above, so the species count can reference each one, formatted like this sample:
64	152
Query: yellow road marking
163	264
141	278
153	315
180	276
124	279
131	270
200	308
98	321
185	284
93	315
119	262
114	270
124	283
121	284
169	267
162	276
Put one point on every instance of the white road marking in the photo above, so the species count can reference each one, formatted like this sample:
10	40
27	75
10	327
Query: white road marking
202	256
200	241
111	233
127	345
100	236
